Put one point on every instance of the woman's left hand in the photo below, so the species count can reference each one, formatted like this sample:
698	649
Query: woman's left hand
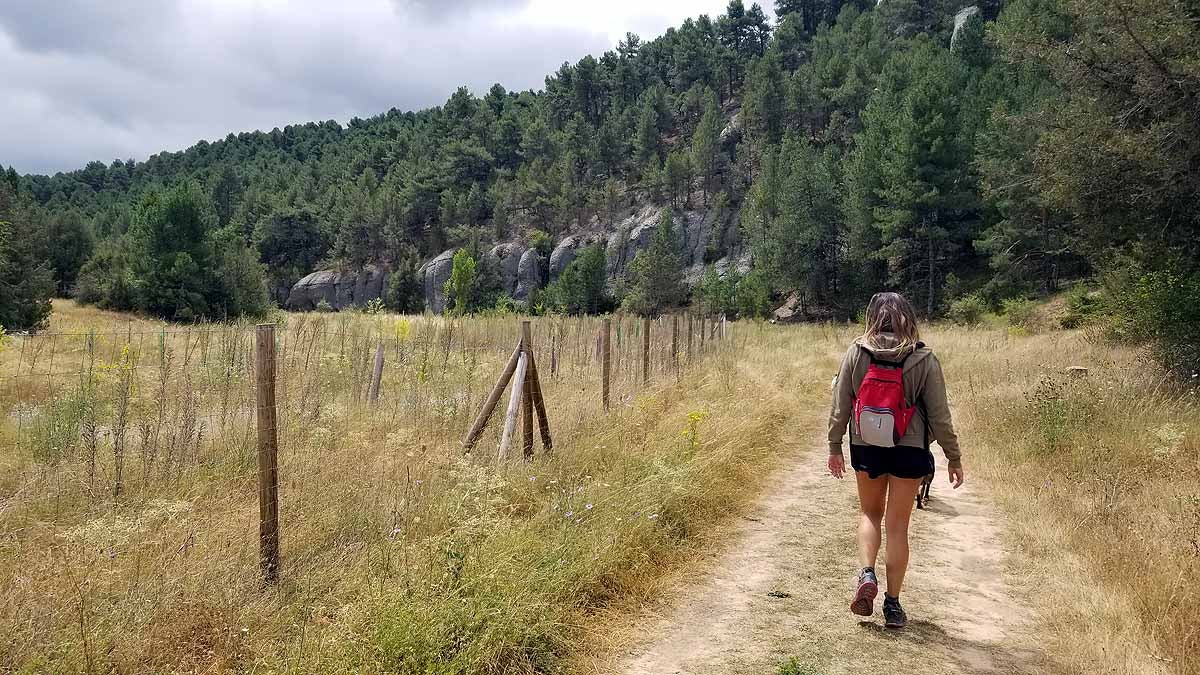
837	465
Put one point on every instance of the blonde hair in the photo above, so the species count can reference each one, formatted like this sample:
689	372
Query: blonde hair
892	315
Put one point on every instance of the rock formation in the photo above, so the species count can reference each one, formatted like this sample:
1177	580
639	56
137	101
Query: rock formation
507	259
433	276
338	289
566	251
529	276
960	20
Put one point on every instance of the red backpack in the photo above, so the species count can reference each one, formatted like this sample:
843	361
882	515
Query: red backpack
879	409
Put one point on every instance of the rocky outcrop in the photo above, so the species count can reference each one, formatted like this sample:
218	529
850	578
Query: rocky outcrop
624	244
739	263
791	310
529	276
338	289
732	133
567	250
960	21
433	276
507	258
702	234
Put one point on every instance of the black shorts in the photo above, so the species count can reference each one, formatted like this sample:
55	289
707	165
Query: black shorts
901	461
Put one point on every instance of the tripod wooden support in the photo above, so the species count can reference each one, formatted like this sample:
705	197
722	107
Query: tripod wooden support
526	398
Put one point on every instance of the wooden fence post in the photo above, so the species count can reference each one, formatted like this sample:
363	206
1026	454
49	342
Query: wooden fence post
675	342
646	350
514	402
703	331
605	354
493	398
555	339
539	407
268	454
527	391
376	374
690	328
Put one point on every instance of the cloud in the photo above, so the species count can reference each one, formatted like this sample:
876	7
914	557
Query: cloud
83	26
84	81
447	9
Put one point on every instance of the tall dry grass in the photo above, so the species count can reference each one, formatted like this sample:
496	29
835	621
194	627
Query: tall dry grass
128	512
1100	475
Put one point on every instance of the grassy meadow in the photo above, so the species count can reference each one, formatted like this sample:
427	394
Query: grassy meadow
128	506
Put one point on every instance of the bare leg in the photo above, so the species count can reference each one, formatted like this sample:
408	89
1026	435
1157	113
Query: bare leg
902	494
872	498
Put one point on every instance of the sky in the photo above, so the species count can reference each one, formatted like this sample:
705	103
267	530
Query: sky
100	80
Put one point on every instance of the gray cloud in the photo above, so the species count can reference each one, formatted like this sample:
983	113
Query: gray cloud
84	81
457	8
84	26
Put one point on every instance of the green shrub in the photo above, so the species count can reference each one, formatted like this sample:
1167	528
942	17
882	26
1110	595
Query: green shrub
404	293
581	288
1083	305
1161	308
505	305
1059	411
753	295
967	310
794	666
460	288
1019	312
541	242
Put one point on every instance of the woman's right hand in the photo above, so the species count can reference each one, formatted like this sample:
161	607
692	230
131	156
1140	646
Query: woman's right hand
837	465
956	476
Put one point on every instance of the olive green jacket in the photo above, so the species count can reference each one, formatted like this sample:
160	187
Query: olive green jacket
923	384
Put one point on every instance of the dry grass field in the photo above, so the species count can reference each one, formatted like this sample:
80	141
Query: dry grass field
129	517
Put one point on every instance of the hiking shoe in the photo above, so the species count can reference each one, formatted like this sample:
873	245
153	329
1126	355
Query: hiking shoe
893	613
864	596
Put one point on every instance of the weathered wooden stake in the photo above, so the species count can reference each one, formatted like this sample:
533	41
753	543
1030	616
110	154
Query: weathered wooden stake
376	374
646	350
690	328
675	341
606	355
514	402
493	398
539	406
268	454
554	342
527	391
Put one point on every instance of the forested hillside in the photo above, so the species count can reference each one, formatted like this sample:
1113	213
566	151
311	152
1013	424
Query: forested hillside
964	154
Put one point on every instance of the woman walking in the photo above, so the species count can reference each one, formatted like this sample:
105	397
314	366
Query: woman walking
891	386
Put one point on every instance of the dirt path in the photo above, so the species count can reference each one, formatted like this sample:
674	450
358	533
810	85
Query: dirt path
798	542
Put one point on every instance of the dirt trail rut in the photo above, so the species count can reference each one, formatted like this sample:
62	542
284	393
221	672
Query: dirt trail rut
781	589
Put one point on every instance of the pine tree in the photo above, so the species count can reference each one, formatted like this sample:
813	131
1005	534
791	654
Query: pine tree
706	143
581	288
656	273
921	206
26	283
678	175
763	110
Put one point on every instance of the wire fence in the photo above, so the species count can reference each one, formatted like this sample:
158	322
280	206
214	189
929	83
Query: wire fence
118	411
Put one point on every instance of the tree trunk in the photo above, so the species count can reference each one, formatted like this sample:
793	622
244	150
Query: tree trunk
929	299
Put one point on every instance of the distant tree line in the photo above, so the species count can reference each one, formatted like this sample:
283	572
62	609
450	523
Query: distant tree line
1056	140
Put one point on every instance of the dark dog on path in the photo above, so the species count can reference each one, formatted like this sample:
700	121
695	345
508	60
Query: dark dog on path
923	491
